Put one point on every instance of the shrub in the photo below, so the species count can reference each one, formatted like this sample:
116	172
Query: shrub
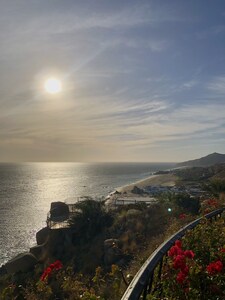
181	202
195	267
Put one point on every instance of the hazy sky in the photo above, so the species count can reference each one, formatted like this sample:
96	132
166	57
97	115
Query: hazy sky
141	80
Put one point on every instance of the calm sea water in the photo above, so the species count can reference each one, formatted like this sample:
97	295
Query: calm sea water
26	191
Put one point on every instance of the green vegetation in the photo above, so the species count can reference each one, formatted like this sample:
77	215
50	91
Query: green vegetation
181	202
215	186
90	219
201	174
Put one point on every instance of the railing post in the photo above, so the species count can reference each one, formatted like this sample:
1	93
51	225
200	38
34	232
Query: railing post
150	282
160	269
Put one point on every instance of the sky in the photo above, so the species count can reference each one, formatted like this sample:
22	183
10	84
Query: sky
141	80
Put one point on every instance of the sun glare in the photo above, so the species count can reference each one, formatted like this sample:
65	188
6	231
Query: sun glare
53	86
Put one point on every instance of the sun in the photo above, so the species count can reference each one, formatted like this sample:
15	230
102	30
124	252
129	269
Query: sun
53	86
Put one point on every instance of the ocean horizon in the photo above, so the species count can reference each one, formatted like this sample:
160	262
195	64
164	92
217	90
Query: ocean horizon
27	190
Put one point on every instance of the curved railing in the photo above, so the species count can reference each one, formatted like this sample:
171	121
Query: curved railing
142	283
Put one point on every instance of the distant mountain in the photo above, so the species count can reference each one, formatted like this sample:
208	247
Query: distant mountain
209	160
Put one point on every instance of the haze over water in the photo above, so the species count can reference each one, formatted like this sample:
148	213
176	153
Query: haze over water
26	191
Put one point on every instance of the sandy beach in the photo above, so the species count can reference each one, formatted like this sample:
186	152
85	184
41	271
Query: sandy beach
154	180
125	194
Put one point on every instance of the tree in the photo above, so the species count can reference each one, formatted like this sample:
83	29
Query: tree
215	187
89	219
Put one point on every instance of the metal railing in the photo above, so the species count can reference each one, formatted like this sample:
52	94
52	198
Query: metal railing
142	283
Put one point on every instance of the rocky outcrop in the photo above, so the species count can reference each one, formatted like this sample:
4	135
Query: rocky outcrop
59	210
42	235
21	263
50	243
38	251
59	243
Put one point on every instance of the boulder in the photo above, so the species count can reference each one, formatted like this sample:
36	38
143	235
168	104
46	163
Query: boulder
21	263
59	210
37	251
42	235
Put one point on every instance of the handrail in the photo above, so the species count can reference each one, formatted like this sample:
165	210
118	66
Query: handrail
142	282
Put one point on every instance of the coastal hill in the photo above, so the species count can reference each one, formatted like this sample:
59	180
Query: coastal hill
209	160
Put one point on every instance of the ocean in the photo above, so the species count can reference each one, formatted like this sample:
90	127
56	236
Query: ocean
26	191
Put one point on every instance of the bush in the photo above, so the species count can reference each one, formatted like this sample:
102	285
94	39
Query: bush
195	267
181	202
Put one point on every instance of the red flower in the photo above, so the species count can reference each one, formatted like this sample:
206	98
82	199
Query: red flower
185	270
181	277
182	216
175	250
222	250
178	243
52	266
189	254
179	262
47	272
58	265
215	267
212	202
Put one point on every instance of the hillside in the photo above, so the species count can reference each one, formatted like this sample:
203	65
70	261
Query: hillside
209	160
200	174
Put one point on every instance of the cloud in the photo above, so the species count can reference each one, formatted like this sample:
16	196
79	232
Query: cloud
155	45
126	89
182	123
190	84
217	85
48	20
131	120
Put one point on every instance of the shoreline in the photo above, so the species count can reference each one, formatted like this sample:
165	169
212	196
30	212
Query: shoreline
126	193
159	179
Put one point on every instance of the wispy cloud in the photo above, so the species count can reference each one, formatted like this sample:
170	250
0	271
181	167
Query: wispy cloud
190	84
134	78
217	85
153	44
64	20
